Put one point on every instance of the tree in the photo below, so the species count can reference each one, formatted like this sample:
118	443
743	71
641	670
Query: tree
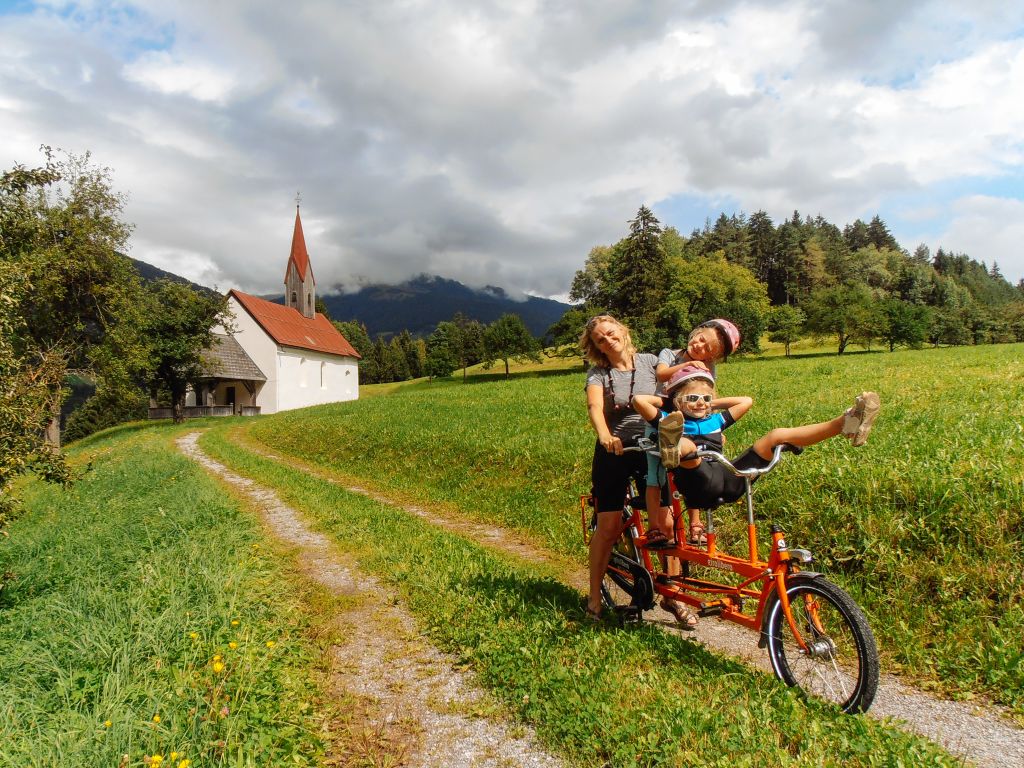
639	274
61	227
356	335
707	287
905	324
838	311
179	329
785	325
414	354
467	342
562	338
30	389
441	352
508	338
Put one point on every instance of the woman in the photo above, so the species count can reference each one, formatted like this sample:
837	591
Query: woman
619	372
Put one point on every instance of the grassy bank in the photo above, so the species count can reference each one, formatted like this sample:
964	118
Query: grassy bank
147	617
924	525
595	694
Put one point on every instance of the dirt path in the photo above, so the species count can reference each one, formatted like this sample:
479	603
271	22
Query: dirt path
419	709
982	734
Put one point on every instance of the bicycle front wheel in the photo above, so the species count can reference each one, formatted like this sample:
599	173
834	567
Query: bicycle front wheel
840	664
626	583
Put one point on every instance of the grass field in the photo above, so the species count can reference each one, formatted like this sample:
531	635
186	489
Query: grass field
148	617
924	525
118	633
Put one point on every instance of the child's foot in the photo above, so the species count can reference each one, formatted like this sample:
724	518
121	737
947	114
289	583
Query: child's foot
670	429
859	419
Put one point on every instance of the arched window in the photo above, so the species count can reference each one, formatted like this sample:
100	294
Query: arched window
323	375
295	299
309	303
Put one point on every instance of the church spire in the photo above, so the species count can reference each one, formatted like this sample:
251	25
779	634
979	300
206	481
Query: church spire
299	284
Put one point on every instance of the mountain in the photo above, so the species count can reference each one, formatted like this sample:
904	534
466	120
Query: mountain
416	305
150	274
421	303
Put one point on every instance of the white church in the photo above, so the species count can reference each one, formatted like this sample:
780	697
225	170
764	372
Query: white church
279	357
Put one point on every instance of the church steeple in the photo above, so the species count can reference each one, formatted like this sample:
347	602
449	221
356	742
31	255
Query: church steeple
299	285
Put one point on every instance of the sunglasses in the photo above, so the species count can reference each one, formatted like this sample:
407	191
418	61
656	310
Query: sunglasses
695	397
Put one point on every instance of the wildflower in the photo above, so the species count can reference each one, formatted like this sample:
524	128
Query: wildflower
156	718
194	635
217	657
271	643
156	759
107	723
224	712
184	763
234	622
232	645
174	755
218	667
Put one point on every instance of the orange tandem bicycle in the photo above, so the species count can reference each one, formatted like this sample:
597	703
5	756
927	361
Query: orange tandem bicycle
816	635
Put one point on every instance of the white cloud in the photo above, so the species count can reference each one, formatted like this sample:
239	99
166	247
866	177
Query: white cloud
497	142
989	229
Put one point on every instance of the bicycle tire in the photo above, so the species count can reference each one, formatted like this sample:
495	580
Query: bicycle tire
842	667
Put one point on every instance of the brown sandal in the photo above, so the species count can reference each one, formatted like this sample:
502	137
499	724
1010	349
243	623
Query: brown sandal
686	618
698	535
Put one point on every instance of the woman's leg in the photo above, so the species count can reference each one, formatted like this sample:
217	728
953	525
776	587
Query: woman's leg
609	526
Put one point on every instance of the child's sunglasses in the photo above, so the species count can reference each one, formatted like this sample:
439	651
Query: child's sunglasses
696	397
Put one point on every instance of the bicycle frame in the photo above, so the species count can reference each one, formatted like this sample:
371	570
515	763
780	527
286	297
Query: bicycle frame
729	600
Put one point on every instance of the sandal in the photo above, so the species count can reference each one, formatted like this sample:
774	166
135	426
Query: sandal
670	429
698	535
686	618
656	539
591	617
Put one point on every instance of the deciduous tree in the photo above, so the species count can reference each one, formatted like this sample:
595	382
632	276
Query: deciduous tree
507	338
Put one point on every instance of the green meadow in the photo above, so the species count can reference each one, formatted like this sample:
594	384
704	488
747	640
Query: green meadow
924	525
148	614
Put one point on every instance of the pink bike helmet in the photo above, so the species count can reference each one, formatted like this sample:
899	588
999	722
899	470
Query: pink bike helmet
685	374
730	333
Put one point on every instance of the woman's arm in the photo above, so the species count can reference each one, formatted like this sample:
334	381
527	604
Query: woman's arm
665	372
736	406
595	410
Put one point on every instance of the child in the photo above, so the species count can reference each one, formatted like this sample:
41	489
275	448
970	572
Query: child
703	416
707	344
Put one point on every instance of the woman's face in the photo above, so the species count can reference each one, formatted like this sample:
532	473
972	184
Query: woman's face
608	337
704	345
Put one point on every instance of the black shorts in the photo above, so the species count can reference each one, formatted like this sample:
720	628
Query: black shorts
610	474
710	485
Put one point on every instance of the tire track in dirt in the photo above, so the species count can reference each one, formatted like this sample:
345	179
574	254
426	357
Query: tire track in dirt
982	733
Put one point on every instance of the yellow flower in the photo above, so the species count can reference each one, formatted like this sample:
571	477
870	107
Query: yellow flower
234	622
218	667
271	643
174	755
107	723
184	764
217	657
232	645
156	718
194	635
156	759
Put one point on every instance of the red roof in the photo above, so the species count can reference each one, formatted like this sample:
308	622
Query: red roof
290	328
299	255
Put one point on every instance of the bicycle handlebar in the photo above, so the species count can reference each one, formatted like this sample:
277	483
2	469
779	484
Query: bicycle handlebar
648	446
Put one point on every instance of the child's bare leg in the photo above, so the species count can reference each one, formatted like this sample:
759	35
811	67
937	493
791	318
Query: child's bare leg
862	415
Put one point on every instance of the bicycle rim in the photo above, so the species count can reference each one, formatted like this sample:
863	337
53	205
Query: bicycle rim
618	587
841	666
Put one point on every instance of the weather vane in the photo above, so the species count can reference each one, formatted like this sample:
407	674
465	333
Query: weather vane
298	199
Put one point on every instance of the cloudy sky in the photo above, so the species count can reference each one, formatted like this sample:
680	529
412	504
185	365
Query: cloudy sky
497	141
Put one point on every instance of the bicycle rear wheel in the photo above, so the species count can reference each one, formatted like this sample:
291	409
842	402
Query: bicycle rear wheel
841	663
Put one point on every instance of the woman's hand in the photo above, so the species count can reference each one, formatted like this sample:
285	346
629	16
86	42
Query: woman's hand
612	444
696	364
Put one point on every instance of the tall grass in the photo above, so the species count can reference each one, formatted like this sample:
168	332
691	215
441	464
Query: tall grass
145	618
924	525
597	695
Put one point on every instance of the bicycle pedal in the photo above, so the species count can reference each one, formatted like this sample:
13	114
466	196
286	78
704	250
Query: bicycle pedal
711	609
629	614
